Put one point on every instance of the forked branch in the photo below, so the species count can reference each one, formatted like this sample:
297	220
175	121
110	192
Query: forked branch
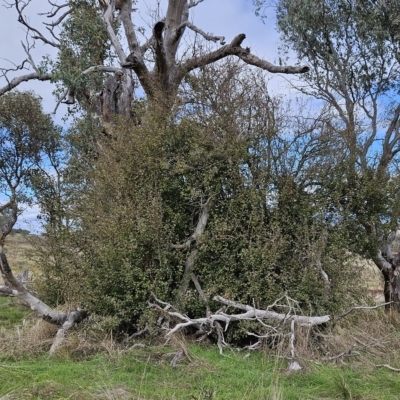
234	48
35	33
24	78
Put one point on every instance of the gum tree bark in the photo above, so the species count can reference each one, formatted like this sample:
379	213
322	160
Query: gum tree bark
192	242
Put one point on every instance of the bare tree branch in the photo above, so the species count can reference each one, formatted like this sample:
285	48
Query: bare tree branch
250	314
60	100
194	3
392	137
251	59
59	20
57	7
10	224
389	367
30	59
16	289
177	14
189	264
126	18
201	292
24	78
201	225
6	205
107	18
207	36
23	21
145	46
72	318
7	291
234	48
381	262
339	317
102	68
253	313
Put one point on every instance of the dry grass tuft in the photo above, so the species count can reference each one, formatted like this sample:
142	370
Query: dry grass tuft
21	253
113	393
370	335
31	338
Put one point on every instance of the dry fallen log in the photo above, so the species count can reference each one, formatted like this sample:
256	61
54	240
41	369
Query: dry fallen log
283	328
251	313
15	288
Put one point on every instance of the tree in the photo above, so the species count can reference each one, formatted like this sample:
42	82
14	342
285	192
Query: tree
26	136
24	129
355	75
207	186
90	49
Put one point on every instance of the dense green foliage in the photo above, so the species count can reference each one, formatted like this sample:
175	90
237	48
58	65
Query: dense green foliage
266	230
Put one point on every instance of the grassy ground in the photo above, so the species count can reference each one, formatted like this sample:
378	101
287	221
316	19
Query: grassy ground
11	314
146	373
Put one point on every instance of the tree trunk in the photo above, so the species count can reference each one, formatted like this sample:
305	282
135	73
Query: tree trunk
389	267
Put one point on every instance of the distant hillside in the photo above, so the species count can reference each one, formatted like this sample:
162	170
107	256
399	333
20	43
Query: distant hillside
20	251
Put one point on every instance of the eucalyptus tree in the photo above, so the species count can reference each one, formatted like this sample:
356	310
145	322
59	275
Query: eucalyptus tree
101	59
207	189
352	48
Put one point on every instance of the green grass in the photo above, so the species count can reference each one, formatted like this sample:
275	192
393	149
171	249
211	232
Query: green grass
146	374
11	313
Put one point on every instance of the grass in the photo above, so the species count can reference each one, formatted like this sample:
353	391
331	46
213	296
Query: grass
146	374
11	314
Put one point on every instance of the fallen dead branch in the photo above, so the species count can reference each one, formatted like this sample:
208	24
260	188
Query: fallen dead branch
215	322
282	323
349	353
251	313
341	316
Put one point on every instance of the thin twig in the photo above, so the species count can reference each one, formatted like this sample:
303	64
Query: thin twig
388	366
339	317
